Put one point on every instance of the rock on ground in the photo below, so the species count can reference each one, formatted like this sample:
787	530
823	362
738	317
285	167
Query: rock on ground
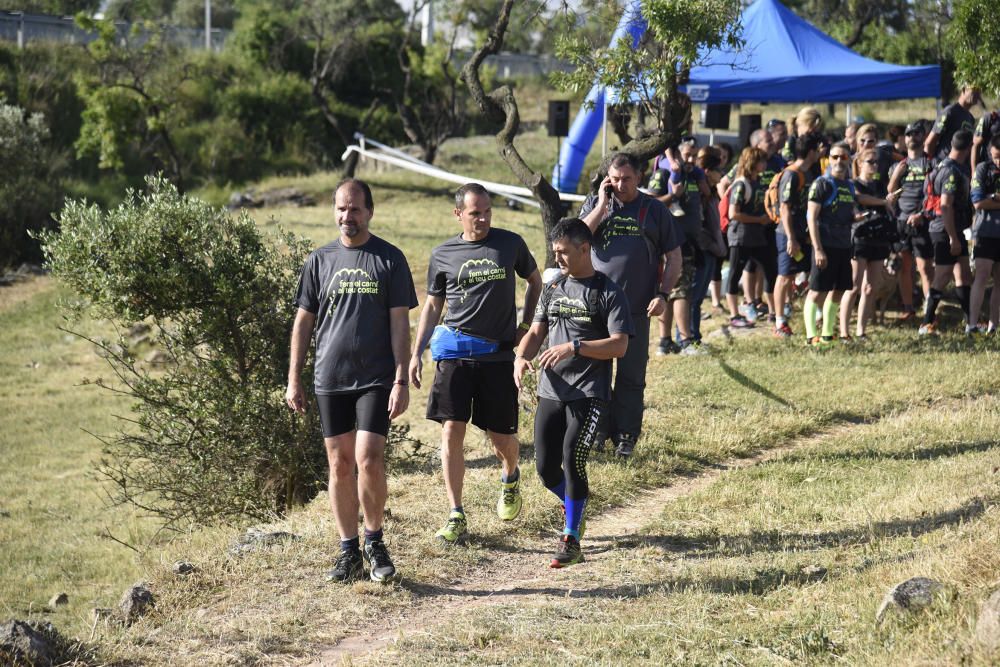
909	595
136	602
988	625
29	642
255	539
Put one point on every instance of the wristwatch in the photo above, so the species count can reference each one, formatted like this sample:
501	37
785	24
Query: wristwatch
576	347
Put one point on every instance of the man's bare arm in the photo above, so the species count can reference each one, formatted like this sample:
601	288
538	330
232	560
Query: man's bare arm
429	318
399	334
302	331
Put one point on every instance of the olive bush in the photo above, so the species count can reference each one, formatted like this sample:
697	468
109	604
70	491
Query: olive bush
210	438
26	183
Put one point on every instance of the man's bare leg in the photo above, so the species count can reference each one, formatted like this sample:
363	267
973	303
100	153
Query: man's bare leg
453	460
507	449
343	487
372	491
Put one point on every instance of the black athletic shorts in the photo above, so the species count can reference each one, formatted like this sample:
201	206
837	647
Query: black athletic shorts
916	240
987	248
871	252
942	249
483	391
366	410
836	276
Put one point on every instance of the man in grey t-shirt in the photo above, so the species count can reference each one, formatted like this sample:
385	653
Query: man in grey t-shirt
355	293
633	234
585	317
475	274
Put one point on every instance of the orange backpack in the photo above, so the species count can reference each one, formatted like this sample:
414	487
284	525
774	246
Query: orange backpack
772	198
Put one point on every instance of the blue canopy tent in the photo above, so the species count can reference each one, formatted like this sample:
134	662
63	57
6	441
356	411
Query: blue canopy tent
784	59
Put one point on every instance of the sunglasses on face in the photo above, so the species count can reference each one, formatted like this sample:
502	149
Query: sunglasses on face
838	156
871	161
868	141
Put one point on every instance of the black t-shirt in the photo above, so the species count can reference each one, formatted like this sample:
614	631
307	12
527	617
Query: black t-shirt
874	188
630	253
953	118
797	198
749	195
350	290
575	310
911	200
950	179
986	182
837	217
478	282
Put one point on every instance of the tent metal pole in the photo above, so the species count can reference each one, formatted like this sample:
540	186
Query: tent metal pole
604	125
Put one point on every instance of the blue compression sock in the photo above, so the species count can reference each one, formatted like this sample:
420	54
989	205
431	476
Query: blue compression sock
574	514
559	489
350	544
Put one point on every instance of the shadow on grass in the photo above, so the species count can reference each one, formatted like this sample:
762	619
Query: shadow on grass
758	582
725	546
930	453
753	386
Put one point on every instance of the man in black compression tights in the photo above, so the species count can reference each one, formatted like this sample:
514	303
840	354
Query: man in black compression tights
585	317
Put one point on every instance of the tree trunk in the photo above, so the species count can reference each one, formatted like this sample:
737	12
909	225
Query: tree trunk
500	107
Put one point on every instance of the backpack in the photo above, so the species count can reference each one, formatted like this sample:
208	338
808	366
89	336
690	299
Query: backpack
724	204
832	197
932	200
772	198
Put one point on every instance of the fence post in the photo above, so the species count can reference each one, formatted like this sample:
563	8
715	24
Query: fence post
20	32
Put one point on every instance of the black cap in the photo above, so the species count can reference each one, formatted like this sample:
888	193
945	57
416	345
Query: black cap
914	128
774	122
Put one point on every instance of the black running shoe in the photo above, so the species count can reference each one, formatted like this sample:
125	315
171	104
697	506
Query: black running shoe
379	564
567	553
624	445
348	566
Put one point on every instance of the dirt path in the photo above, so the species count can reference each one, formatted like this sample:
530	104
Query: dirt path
525	578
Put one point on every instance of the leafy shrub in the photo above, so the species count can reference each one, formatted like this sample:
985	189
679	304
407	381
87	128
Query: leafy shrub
27	191
211	438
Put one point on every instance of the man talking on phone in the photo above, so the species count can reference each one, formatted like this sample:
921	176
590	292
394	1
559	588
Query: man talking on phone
633	234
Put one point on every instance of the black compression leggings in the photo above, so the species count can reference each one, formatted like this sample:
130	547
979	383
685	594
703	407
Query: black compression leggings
738	257
564	434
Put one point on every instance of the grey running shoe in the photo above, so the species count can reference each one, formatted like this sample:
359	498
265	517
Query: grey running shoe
348	567
380	565
567	552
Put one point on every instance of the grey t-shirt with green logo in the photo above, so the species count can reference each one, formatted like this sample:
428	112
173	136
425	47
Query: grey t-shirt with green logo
581	310
986	182
837	217
350	290
630	253
477	280
950	179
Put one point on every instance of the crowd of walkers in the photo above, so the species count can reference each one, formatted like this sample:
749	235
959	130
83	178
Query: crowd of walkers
797	202
853	223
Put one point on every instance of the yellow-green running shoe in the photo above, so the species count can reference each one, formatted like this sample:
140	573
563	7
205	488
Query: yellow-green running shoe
509	503
454	531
